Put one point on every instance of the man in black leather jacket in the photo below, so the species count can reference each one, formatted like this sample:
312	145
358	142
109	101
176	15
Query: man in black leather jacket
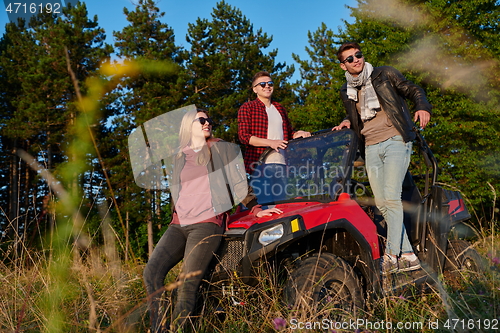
374	98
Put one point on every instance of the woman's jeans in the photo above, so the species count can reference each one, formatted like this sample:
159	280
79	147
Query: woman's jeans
194	243
386	164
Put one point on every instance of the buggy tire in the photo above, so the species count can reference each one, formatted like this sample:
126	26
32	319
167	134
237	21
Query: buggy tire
321	283
461	258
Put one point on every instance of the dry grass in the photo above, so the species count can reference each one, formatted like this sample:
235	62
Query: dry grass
92	295
96	292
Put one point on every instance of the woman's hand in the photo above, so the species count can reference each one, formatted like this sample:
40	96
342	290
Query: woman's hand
269	212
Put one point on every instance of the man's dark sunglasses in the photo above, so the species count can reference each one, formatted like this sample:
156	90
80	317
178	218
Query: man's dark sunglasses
263	84
350	58
203	120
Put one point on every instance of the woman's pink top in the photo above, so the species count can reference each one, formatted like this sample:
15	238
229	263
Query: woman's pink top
194	204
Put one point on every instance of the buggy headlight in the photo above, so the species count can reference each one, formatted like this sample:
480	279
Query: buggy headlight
270	235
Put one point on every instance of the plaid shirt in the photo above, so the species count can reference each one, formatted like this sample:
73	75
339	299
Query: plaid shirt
252	121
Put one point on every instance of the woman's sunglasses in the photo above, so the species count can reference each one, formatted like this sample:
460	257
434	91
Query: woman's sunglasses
263	84
350	58
203	120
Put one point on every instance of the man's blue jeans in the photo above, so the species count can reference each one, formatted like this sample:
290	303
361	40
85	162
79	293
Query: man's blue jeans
386	165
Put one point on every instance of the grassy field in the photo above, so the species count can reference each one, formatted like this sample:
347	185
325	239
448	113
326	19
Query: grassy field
96	292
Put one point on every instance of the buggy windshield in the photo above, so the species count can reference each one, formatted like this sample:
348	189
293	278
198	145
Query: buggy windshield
312	168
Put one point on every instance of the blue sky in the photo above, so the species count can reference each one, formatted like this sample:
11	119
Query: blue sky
287	21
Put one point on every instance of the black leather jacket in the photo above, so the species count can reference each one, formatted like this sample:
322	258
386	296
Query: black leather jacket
392	88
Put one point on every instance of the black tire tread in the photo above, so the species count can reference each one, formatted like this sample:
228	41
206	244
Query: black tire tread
310	271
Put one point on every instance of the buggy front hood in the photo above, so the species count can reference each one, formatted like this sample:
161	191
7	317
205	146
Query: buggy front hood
316	216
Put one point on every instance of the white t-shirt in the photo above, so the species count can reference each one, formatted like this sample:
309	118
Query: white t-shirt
274	132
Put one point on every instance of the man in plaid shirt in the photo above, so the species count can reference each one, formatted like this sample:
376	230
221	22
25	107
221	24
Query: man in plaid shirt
264	123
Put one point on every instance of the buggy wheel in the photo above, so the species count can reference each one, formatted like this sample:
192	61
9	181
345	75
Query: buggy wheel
462	263
325	286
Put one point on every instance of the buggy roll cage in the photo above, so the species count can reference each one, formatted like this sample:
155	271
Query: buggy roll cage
430	162
352	153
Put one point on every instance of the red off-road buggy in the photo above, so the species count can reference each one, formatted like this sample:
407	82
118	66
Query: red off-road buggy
328	242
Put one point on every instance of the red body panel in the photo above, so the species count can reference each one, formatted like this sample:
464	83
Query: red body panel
456	206
315	214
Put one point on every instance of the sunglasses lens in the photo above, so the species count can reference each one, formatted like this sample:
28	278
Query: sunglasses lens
206	120
350	59
263	84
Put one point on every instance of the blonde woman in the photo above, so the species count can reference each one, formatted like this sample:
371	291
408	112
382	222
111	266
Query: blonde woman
206	181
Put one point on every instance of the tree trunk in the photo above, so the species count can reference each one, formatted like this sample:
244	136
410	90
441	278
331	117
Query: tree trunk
150	226
14	195
28	192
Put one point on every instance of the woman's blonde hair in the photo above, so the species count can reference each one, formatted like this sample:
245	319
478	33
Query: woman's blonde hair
185	133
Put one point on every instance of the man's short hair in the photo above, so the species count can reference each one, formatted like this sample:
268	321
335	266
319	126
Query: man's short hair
345	47
258	75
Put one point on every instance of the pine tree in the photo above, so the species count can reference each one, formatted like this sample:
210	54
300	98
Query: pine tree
225	54
39	103
319	106
10	86
139	99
